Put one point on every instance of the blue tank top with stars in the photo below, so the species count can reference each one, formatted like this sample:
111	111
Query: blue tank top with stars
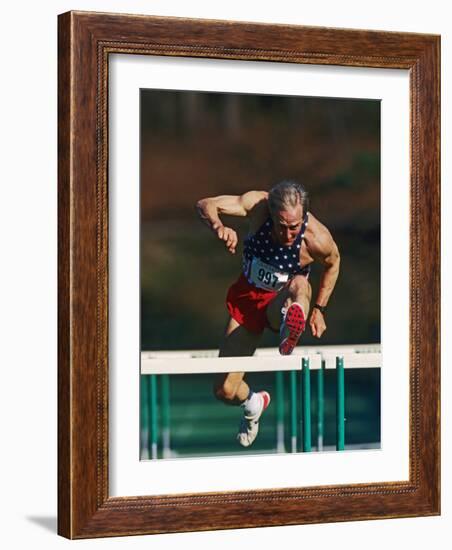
269	265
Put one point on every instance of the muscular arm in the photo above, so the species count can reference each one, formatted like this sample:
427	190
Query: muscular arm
210	209
324	250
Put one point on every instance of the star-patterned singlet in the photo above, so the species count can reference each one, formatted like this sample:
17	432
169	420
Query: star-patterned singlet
269	265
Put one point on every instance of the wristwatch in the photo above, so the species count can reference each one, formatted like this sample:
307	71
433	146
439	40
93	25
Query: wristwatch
322	309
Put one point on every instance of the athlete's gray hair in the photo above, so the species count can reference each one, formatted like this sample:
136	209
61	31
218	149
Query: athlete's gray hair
287	194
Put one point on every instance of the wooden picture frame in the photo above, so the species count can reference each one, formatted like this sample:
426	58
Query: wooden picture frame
85	508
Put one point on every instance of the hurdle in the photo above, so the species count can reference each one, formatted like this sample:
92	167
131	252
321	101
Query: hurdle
161	365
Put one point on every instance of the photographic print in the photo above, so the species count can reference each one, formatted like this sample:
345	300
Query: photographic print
260	250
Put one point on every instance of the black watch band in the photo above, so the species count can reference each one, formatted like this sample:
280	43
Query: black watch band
322	309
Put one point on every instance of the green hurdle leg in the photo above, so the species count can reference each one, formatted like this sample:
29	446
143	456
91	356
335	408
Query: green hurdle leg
301	415
153	416
166	433
144	417
279	383
293	407
320	405
306	405
340	404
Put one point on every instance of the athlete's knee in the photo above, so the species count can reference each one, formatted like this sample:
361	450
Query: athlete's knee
225	391
299	285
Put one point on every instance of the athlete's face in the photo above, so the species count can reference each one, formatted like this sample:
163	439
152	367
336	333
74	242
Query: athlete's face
287	224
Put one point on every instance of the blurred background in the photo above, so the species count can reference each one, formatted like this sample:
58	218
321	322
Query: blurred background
199	144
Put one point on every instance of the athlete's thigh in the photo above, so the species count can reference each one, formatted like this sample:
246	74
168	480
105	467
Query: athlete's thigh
274	308
238	341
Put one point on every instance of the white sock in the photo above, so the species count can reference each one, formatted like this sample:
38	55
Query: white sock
253	404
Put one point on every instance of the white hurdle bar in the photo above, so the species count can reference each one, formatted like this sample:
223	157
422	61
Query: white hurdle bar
151	364
184	363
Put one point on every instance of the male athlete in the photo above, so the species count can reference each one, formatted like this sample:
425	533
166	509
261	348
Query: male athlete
273	290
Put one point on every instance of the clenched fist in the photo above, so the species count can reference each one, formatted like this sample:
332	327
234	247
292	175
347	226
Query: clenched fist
317	323
228	235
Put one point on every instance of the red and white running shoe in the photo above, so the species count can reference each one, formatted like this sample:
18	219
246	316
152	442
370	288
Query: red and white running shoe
292	327
249	425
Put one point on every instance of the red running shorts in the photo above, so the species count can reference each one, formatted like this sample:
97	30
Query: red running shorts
248	304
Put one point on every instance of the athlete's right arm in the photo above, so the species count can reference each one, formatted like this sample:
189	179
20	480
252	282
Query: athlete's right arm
209	210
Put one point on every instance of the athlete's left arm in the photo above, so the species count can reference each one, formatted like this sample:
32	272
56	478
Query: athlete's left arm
325	251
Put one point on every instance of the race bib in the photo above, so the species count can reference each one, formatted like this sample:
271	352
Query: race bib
266	276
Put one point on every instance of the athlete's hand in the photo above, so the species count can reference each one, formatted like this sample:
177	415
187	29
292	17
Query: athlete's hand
228	235
317	323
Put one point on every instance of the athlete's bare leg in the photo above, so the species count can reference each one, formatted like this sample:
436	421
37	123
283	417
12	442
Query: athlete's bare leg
238	341
298	290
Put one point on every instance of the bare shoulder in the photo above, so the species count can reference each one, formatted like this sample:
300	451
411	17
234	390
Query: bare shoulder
257	208
319	241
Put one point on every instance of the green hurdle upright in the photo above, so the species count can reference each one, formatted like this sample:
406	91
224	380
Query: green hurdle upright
279	384
340	404
293	410
150	386
144	418
306	394
320	406
153	432
166	434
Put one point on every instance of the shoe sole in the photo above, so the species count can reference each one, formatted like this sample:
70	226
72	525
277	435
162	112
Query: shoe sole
295	321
